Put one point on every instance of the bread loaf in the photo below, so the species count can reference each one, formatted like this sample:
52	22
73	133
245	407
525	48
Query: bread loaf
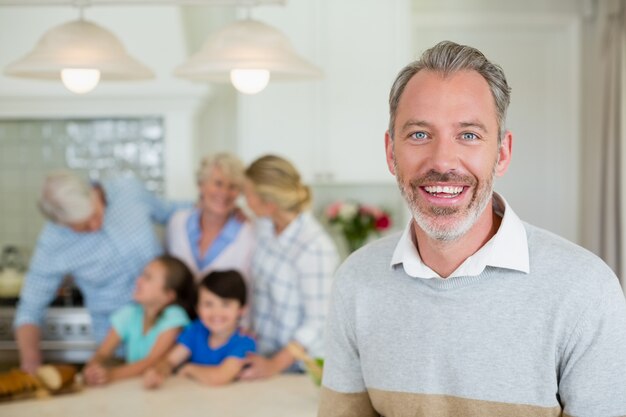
56	377
17	382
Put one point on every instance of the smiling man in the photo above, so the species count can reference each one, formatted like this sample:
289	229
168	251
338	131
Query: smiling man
470	311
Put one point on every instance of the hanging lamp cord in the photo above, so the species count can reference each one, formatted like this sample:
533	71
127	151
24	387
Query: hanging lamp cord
81	4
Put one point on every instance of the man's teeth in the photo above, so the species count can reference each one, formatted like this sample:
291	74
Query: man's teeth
448	190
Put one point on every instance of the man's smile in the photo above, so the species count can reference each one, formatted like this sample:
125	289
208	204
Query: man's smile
446	191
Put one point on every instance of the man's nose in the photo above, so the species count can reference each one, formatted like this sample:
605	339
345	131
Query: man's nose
444	156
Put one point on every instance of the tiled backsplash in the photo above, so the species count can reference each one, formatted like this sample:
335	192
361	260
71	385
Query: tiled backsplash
97	148
101	148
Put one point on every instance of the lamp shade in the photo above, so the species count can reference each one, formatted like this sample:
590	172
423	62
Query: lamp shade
247	45
78	45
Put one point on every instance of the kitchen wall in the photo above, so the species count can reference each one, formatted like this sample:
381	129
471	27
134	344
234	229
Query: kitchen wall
198	119
95	148
334	128
331	128
160	41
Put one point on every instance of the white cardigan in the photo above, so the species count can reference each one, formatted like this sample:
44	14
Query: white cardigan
237	255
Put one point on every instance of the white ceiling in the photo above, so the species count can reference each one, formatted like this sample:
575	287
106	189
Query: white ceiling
139	2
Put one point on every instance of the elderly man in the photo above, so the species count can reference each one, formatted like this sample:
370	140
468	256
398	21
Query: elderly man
470	311
103	236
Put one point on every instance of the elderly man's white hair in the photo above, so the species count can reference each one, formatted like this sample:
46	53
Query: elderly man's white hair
66	198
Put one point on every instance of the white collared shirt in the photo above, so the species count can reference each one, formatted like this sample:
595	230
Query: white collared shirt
508	248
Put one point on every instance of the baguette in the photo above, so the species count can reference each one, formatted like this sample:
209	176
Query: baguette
56	377
16	382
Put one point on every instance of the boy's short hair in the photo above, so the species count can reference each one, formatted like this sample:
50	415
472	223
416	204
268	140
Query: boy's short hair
226	284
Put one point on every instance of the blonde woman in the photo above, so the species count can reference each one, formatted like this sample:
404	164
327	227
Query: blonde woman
210	237
292	267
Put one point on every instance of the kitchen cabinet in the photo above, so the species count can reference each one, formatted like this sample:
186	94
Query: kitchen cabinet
332	129
282	396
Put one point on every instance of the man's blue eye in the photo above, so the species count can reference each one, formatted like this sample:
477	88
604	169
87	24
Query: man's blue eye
469	136
420	135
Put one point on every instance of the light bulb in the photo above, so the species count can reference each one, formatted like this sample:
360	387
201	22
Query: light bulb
249	81
80	81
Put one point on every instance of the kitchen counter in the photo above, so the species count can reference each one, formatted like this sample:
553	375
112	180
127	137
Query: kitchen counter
285	395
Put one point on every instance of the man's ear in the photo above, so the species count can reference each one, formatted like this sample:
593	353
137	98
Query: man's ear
389	153
504	154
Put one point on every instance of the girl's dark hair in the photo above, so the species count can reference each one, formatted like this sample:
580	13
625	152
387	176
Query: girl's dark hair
226	284
179	279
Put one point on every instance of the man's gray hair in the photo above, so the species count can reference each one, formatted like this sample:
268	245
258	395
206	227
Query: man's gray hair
447	58
66	198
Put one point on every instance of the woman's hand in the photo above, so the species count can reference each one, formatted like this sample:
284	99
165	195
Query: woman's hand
96	374
240	215
258	367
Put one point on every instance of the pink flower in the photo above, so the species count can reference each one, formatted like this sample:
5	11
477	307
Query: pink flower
356	222
371	211
333	210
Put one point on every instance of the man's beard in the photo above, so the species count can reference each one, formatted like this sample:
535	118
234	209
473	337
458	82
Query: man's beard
427	217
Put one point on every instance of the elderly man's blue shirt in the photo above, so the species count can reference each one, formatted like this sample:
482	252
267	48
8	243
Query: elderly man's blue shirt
104	264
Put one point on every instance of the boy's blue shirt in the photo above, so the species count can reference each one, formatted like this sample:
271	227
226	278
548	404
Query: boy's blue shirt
196	336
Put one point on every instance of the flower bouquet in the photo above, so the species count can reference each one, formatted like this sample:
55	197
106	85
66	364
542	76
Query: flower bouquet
357	222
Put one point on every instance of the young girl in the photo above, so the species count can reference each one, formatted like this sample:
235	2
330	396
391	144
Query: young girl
148	327
212	344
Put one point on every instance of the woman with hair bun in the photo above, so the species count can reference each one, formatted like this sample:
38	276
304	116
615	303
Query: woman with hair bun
292	267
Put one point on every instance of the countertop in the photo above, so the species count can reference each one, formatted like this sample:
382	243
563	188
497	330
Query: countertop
285	395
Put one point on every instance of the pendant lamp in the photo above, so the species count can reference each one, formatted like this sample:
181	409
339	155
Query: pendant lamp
80	53
247	53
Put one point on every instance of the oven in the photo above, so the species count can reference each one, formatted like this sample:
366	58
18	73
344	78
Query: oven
66	334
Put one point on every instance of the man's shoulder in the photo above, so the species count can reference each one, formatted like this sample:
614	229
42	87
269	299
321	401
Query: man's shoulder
370	262
122	186
553	254
54	236
379	249
549	244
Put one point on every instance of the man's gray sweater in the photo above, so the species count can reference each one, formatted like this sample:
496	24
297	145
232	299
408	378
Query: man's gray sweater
503	343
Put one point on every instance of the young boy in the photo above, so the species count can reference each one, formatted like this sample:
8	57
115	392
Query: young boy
212	344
